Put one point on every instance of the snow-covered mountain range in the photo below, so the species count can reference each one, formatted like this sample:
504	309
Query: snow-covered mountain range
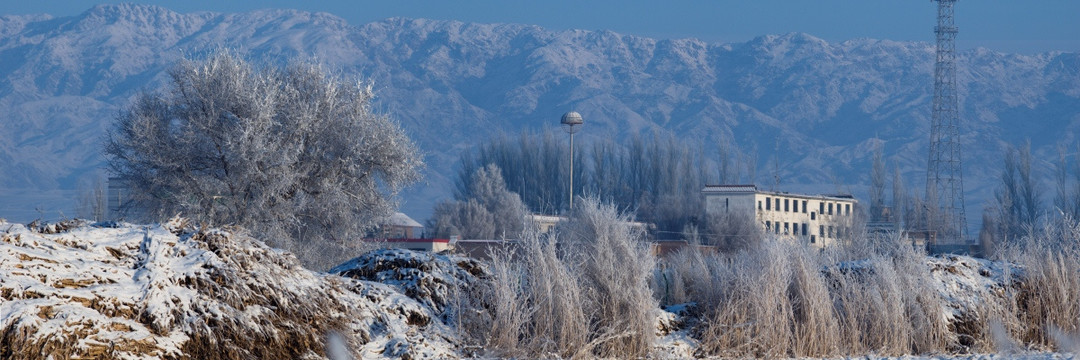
815	107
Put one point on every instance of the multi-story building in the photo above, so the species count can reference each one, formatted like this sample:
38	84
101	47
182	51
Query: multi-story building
819	220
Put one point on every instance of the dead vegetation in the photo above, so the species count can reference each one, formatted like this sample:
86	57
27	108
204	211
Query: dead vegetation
579	292
781	299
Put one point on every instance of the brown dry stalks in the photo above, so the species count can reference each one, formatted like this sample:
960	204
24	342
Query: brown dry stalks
1046	297
782	299
574	295
581	292
616	270
772	303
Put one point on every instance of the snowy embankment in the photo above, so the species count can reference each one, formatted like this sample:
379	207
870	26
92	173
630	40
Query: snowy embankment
169	291
173	291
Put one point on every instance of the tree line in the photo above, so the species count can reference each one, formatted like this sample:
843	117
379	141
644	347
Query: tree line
658	179
1019	209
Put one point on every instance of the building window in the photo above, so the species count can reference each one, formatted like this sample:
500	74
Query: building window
813	215
804	226
768	225
830	231
768	204
821	208
830	208
787	228
821	230
813	239
804	206
787	205
759	205
776	228
777	204
794	205
847	209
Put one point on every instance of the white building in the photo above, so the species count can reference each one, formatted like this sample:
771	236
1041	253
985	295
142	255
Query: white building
818	220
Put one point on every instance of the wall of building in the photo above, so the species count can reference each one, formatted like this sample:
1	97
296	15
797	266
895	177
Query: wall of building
816	220
432	245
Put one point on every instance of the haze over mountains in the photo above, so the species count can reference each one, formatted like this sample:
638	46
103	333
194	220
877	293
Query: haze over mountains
813	106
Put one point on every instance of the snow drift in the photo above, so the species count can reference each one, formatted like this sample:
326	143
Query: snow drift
110	290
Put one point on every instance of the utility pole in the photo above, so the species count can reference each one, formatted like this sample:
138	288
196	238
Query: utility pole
571	121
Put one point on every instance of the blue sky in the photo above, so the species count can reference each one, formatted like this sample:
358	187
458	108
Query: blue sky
1006	25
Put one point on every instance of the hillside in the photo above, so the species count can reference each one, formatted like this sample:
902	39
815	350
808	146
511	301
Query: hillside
811	105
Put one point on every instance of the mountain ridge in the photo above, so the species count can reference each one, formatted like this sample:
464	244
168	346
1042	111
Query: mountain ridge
811	105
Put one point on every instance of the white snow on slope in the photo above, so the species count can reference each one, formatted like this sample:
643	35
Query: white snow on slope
160	291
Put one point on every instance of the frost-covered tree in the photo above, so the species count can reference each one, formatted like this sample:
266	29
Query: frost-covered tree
877	185
732	232
659	178
291	153
484	210
1067	190
90	203
1017	206
467	219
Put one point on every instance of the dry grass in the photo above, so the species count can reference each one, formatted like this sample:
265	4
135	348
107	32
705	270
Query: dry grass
781	299
770	301
580	292
874	295
1046	299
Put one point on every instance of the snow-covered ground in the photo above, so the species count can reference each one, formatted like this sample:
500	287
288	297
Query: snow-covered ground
128	291
137	292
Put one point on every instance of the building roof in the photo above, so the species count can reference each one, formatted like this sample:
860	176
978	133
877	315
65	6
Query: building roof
746	189
400	219
402	240
730	188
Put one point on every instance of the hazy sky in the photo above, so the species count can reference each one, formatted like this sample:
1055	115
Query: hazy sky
1007	25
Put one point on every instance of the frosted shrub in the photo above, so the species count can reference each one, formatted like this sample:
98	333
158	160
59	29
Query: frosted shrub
683	277
779	298
772	302
582	291
885	297
616	267
535	301
1047	296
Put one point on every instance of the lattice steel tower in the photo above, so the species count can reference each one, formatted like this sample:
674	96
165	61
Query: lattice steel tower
944	180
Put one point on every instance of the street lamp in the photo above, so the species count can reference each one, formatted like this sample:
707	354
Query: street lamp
570	122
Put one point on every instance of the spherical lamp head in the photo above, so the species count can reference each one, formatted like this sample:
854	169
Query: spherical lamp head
571	120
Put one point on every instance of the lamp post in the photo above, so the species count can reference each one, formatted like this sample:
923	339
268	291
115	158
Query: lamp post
570	122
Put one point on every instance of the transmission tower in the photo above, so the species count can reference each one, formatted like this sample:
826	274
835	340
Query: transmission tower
944	180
